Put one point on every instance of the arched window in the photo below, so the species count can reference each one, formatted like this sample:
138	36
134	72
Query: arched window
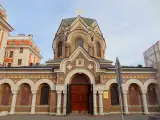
44	94
134	94
60	49
79	41
6	93
98	46
25	94
152	97
114	94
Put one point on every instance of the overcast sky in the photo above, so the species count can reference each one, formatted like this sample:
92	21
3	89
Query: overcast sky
129	26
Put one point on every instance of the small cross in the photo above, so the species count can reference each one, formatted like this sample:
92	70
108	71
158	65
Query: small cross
69	66
78	11
90	66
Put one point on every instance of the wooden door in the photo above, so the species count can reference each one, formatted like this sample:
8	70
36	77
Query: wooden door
79	97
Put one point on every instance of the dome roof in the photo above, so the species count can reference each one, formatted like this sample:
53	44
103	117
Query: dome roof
69	21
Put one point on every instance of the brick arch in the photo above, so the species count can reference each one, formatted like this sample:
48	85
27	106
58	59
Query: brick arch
28	81
10	82
76	34
49	82
135	81
5	94
109	83
79	70
148	82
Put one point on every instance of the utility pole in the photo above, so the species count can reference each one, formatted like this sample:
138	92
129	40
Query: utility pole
119	81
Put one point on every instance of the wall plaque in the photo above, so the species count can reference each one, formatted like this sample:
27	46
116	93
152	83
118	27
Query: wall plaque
105	94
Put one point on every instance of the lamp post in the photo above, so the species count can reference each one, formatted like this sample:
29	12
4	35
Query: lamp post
119	81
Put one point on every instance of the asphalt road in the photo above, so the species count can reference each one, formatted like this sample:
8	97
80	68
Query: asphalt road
50	117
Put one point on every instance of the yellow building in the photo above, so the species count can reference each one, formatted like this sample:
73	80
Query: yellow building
21	51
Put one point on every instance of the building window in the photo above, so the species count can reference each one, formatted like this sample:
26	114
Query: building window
25	94
6	93
30	64
79	42
22	42
134	94
44	95
37	64
21	50
114	94
11	54
9	64
152	97
98	46
13	43
19	61
6	54
60	49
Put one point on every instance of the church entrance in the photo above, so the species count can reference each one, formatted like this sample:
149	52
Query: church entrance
79	98
80	95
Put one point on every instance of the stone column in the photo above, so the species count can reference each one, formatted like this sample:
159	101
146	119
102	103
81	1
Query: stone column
33	106
67	46
125	102
59	103
13	104
144	101
95	102
90	49
64	102
100	102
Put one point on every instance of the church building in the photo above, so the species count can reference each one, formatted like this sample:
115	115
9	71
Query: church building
78	80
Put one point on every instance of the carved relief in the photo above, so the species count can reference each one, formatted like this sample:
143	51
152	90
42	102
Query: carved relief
79	62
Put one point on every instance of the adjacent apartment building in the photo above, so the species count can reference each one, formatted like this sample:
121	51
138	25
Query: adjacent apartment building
21	51
5	28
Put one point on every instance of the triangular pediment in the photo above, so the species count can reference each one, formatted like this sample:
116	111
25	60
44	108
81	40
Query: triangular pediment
79	25
75	54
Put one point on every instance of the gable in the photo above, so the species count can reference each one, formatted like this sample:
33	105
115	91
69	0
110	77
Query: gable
78	53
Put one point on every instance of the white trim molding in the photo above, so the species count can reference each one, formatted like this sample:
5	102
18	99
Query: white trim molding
79	70
8	81
41	81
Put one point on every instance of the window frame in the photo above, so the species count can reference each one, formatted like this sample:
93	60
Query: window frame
19	61
60	49
98	46
9	65
112	95
11	55
21	50
79	42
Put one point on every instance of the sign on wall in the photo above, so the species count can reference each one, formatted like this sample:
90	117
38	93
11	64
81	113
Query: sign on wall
105	94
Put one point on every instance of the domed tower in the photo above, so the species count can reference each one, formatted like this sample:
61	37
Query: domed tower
78	31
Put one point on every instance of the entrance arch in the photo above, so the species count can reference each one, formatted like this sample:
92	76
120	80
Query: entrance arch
79	70
80	94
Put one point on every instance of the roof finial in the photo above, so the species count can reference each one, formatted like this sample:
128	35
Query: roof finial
78	12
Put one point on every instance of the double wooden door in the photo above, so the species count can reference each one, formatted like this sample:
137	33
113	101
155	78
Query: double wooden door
79	98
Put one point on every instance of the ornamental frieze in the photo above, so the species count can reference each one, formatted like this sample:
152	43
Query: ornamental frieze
128	76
